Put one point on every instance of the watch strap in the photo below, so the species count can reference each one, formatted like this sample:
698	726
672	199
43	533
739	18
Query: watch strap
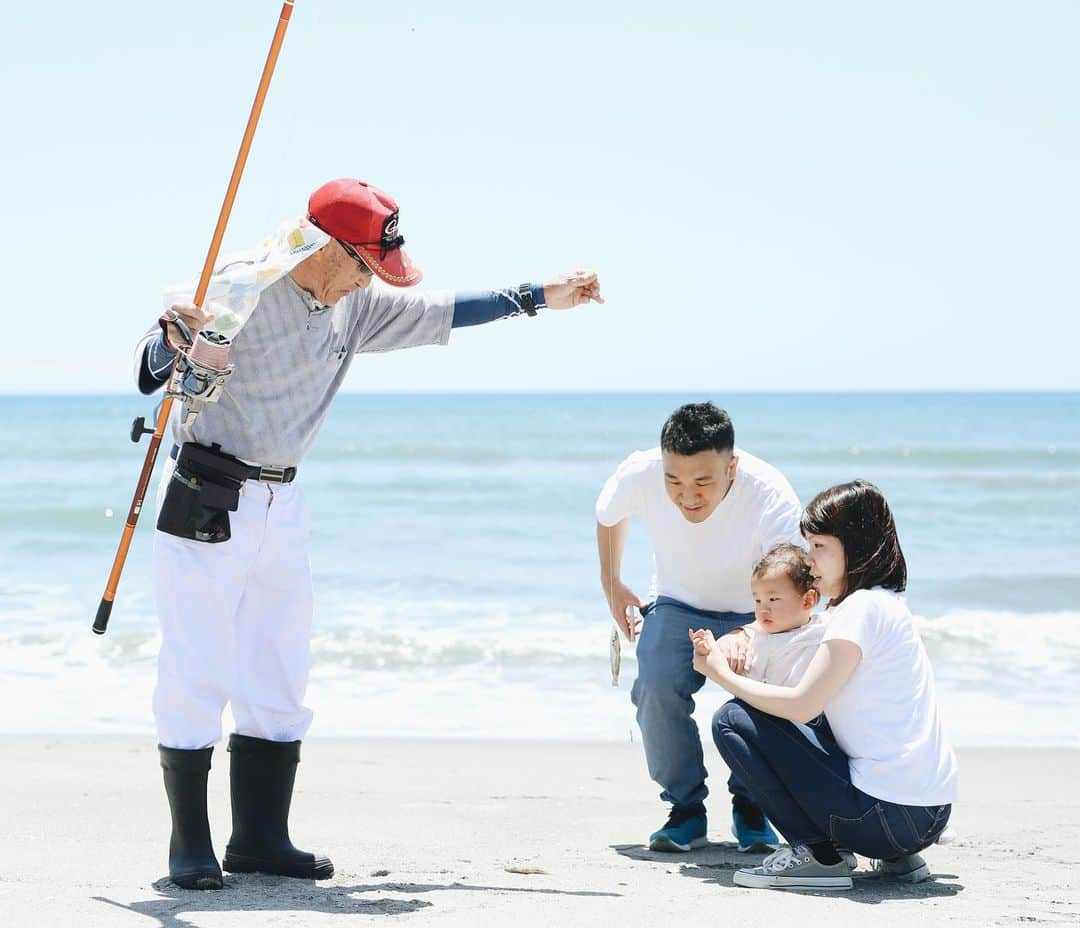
528	302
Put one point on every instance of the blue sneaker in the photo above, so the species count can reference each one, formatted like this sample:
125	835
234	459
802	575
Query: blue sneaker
753	831
685	830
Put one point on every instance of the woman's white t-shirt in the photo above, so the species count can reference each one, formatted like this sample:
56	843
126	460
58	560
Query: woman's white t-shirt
885	718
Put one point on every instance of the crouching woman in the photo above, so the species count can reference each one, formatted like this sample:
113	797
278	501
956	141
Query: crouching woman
883	780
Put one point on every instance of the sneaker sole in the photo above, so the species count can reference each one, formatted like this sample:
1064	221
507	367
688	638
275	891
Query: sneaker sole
827	883
914	876
759	848
668	846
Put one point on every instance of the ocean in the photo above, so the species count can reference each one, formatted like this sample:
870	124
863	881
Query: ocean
453	550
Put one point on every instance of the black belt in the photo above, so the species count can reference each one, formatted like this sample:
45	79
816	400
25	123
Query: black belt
250	471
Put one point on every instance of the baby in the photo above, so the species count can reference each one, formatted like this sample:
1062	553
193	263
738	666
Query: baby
785	635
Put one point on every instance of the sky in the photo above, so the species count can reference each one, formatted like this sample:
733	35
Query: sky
777	196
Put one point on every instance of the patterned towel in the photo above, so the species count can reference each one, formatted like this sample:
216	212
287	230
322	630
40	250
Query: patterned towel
241	277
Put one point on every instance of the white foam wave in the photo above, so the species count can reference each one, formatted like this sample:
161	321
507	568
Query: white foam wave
1046	632
499	669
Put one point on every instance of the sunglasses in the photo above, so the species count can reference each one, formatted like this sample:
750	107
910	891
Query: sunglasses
352	253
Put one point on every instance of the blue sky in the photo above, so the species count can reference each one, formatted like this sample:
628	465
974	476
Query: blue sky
777	195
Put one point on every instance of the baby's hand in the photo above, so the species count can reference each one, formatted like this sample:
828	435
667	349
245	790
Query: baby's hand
703	641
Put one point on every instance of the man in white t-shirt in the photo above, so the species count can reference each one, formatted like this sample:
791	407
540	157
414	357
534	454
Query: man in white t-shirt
711	511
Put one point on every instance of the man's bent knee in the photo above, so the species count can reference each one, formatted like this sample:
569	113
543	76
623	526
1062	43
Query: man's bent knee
660	693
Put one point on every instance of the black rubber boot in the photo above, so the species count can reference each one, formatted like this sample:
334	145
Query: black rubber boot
262	775
192	861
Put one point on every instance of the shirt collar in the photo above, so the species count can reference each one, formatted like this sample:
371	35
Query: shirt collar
314	307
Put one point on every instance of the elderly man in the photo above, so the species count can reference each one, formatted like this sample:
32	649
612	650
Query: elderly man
233	579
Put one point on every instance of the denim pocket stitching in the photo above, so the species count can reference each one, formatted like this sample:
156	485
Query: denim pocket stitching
915	836
835	820
936	825
900	849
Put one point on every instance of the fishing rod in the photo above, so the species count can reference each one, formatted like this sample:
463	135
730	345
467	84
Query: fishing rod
101	621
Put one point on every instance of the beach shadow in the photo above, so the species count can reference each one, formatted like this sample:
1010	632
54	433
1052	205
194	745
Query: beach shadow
718	855
259	892
475	887
717	863
869	888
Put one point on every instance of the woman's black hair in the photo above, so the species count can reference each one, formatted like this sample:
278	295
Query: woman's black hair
858	514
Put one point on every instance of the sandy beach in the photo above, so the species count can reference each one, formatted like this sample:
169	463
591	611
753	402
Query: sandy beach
462	832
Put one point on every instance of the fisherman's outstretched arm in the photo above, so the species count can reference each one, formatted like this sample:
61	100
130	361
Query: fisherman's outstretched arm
396	319
155	357
478	307
155	354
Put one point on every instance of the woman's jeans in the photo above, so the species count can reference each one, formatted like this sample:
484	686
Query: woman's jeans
663	695
807	792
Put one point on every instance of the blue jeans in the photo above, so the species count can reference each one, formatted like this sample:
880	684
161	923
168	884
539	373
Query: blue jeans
663	695
807	793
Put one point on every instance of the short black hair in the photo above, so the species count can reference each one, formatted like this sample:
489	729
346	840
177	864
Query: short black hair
858	514
697	427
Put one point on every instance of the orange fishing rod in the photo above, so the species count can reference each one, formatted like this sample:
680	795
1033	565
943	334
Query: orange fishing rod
101	622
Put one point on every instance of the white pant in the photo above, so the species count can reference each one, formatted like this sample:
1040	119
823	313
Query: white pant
235	623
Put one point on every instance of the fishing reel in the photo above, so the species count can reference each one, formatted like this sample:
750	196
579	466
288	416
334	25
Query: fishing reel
202	373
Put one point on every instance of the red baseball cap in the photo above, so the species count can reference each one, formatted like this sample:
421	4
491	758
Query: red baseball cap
366	218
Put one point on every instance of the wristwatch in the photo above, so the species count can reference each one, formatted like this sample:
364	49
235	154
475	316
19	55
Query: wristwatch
525	291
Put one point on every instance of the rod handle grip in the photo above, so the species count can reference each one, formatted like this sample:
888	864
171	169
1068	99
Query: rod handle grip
101	621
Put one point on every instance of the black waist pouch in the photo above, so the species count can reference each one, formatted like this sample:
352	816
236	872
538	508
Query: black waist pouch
204	489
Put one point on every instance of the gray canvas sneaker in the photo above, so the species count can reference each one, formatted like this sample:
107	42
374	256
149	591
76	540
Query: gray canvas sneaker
909	869
795	868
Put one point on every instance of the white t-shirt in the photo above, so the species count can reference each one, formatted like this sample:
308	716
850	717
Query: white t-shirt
782	657
886	717
706	564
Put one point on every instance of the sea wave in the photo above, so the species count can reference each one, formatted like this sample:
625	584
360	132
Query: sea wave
404	632
449	667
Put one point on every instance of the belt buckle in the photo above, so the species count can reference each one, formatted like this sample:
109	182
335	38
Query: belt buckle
272	474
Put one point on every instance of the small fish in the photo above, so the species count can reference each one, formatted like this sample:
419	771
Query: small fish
616	655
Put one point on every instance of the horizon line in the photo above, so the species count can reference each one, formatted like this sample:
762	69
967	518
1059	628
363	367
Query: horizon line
839	391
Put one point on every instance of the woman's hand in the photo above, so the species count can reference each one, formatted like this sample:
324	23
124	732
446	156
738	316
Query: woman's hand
731	647
831	667
703	641
734	648
708	659
701	664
